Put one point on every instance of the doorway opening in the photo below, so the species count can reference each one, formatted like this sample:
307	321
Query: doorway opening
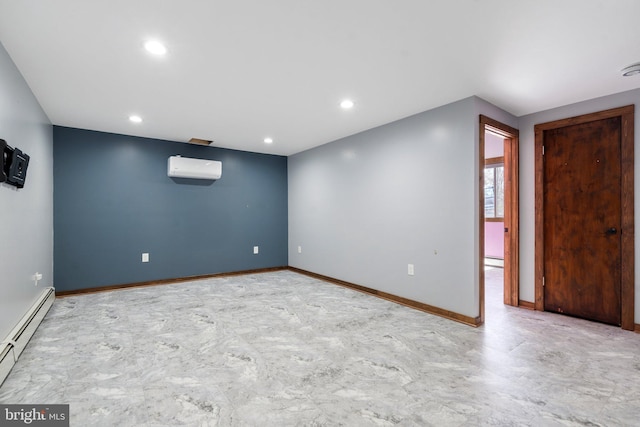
499	209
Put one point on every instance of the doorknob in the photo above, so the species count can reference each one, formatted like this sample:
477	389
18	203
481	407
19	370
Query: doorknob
611	231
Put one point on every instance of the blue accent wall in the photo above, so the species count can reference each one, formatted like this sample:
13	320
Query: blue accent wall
113	201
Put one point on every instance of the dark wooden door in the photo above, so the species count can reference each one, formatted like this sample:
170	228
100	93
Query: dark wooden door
582	220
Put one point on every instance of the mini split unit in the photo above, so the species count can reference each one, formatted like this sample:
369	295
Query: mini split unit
184	167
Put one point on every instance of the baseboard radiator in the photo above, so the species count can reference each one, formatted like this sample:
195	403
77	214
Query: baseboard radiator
11	348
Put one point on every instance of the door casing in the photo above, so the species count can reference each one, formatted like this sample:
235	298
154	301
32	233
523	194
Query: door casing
511	214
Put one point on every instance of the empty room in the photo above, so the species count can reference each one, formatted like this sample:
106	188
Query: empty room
336	213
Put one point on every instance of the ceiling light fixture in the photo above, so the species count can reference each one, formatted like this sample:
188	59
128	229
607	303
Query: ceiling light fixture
135	119
268	140
155	47
347	104
631	70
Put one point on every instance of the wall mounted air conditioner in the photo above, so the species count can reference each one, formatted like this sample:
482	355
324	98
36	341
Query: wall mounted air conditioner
184	167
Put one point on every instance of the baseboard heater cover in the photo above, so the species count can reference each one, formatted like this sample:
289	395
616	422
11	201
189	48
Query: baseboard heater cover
11	348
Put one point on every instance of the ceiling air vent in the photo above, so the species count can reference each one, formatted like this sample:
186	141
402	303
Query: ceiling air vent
200	141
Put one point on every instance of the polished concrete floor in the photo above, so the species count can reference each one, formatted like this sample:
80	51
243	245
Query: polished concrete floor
282	349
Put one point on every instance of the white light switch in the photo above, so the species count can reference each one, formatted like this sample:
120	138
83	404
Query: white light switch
145	257
256	249
410	270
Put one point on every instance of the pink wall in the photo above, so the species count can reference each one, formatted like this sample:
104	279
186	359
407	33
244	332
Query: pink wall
494	239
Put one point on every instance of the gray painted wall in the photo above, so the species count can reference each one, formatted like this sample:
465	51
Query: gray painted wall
527	182
364	207
113	201
26	215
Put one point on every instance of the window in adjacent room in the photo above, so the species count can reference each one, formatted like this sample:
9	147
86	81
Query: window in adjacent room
494	189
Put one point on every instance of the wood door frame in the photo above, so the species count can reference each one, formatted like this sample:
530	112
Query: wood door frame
511	214
626	115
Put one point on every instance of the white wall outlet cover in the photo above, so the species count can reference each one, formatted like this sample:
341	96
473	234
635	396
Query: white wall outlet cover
145	257
410	270
299	249
256	249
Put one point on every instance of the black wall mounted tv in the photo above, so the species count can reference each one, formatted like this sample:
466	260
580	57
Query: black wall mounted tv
14	164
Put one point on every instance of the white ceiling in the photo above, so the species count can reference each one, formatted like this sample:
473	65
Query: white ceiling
237	71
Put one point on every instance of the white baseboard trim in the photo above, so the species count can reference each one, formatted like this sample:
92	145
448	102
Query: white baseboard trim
13	345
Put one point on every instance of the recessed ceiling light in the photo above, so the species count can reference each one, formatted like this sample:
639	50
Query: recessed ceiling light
346	104
155	47
632	70
268	140
135	119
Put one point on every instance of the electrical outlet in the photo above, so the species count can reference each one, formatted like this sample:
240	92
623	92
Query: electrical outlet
256	249
410	270
36	278
299	249
145	257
